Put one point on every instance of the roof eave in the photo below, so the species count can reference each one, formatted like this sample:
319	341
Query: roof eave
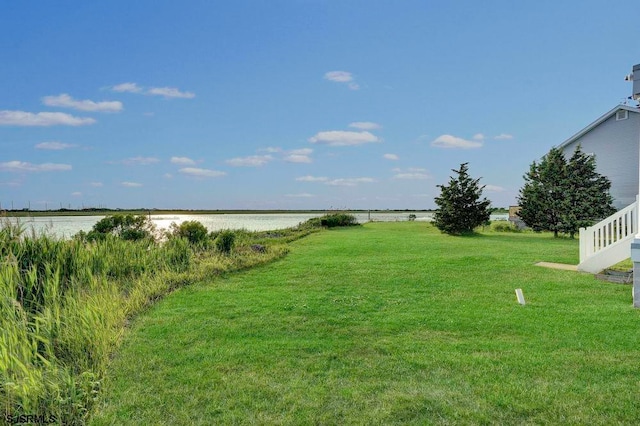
596	123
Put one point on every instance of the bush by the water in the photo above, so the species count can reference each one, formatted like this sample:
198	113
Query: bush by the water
225	241
125	226
192	230
333	220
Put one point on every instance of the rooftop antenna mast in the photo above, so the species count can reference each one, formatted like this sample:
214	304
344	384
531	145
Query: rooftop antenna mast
635	78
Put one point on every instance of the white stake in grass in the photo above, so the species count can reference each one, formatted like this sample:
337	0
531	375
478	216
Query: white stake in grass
520	296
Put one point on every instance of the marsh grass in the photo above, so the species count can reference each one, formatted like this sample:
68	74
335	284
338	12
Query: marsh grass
388	323
64	305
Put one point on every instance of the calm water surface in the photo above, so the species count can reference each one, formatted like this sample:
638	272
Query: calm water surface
67	226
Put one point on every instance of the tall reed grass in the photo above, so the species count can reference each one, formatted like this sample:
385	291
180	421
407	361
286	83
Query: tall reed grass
64	305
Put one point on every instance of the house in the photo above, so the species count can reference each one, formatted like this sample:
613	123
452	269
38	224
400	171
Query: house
614	139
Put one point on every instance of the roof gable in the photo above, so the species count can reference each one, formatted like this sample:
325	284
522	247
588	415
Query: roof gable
598	122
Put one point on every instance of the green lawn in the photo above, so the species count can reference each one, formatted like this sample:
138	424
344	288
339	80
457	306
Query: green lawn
388	323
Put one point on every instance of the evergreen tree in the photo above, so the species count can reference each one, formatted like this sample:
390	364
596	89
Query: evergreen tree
460	209
542	199
587	194
563	196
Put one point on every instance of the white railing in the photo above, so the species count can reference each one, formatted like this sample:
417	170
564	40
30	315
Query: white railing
608	240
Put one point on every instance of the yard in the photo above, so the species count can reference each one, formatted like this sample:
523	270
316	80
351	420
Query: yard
387	323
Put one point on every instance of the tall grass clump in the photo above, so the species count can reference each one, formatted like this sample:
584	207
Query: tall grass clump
64	305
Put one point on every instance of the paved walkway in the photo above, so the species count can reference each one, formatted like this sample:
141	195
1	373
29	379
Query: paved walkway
562	266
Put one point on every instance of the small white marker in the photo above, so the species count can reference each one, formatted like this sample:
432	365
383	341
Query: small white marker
520	296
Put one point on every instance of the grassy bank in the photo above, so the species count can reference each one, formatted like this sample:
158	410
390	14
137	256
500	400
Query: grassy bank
65	304
389	323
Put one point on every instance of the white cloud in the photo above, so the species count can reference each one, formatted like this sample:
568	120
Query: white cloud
22	166
76	194
131	184
22	118
127	87
299	155
96	184
494	188
297	158
137	161
54	146
167	92
302	195
312	179
412	176
478	137
66	101
350	181
449	141
412	173
195	172
339	76
503	136
343	138
168	176
170	92
183	161
342	77
393	157
251	161
365	125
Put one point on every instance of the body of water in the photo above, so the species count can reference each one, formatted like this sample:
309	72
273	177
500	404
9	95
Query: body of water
67	226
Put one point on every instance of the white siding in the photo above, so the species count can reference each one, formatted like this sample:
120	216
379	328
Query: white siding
616	147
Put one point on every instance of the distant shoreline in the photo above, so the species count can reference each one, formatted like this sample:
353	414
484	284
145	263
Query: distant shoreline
104	212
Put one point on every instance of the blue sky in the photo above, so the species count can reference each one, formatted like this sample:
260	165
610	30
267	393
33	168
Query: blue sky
295	104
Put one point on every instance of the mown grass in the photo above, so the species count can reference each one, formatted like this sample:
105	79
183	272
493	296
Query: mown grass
389	323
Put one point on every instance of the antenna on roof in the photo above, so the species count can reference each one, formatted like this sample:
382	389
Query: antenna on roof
635	78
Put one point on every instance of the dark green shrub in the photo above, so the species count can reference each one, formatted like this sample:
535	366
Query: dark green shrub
192	230
314	222
125	226
225	241
334	220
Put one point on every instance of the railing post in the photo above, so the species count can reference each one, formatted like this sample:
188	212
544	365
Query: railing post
584	242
